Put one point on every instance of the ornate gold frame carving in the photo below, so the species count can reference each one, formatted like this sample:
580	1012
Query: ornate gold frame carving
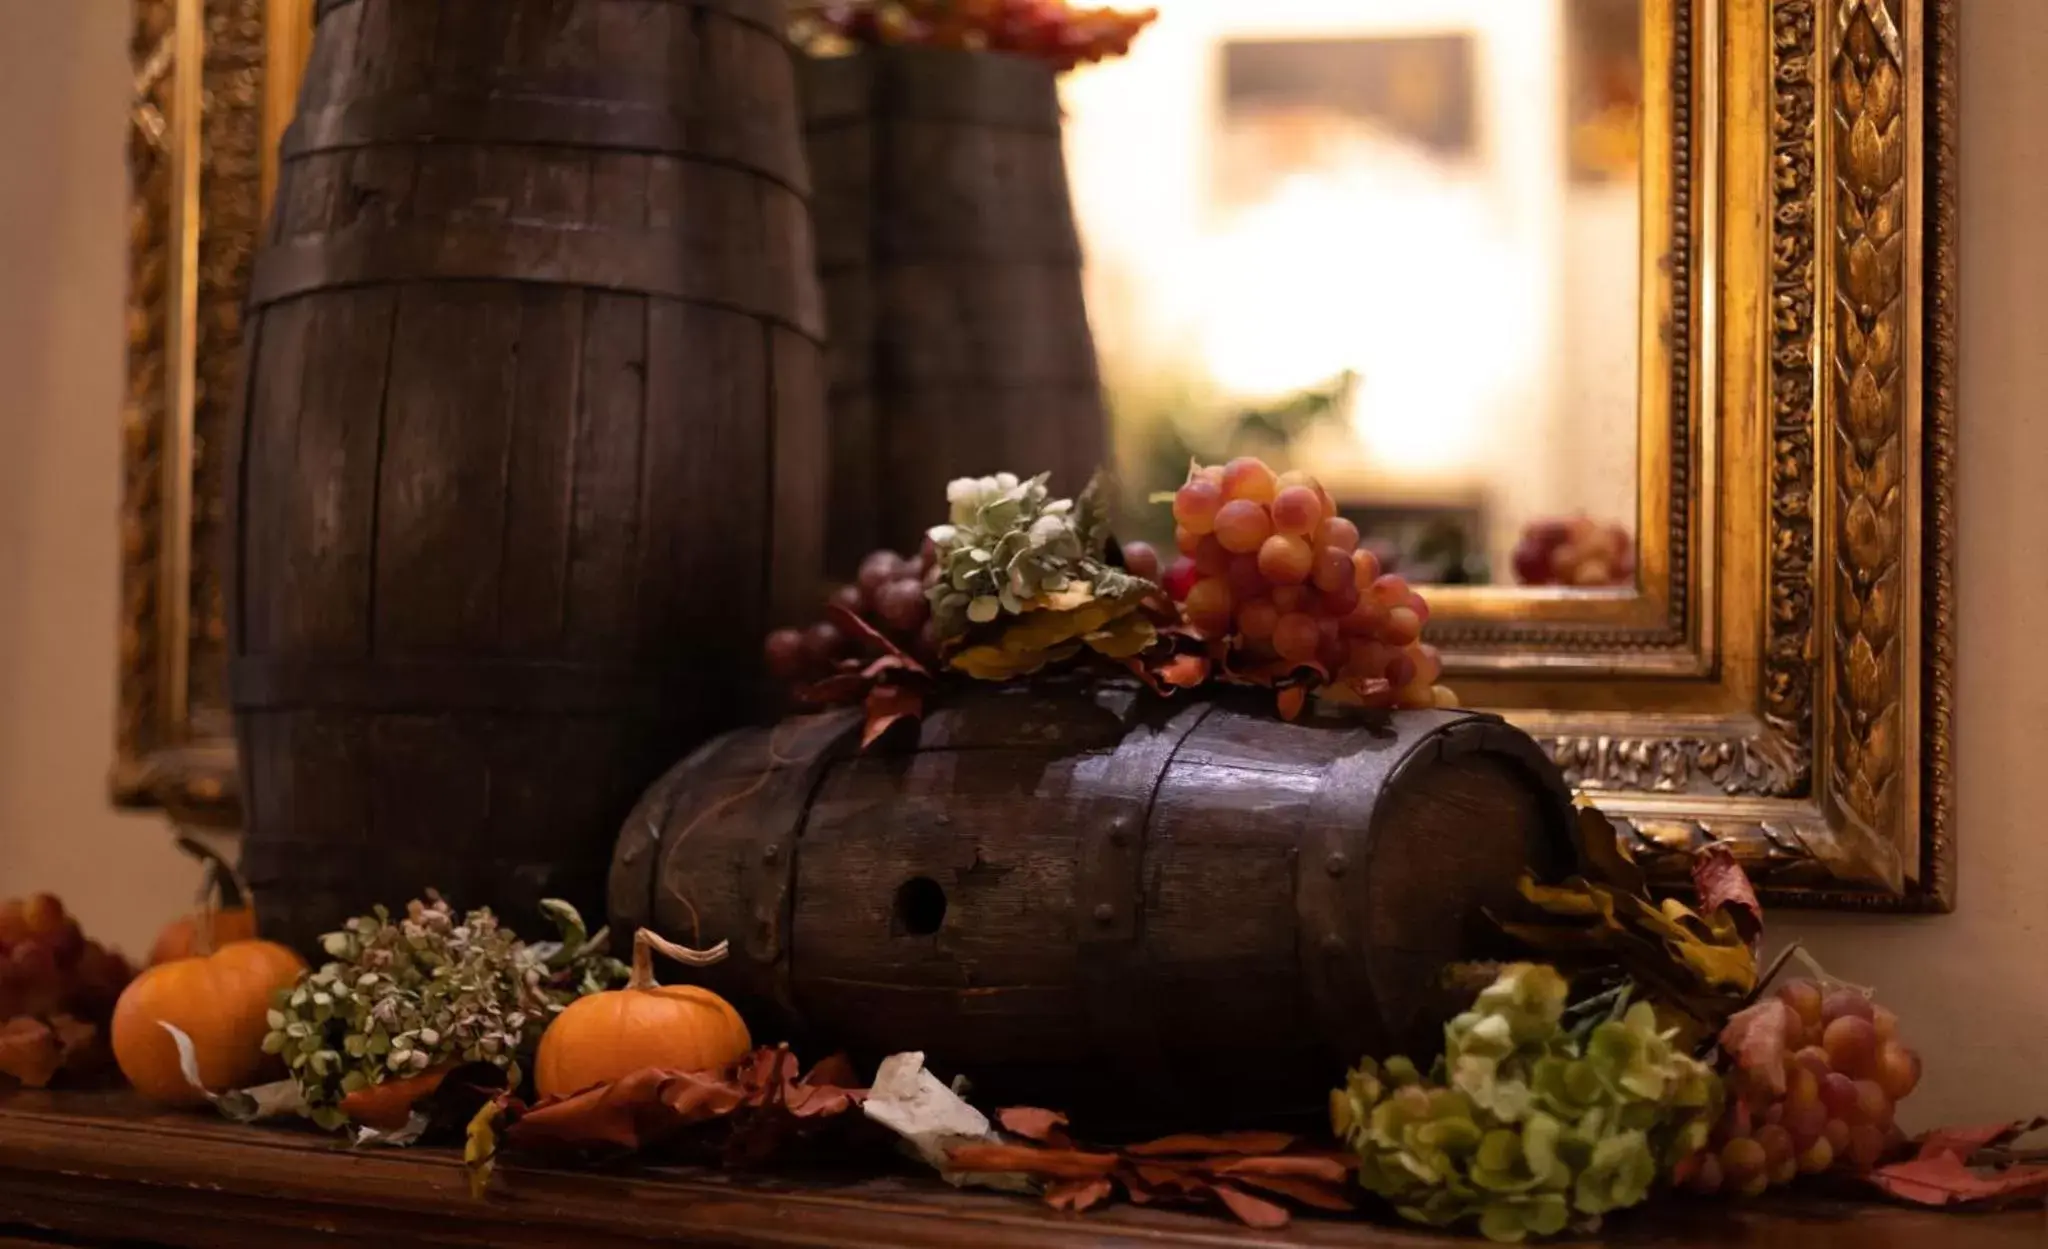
215	82
1781	680
1799	709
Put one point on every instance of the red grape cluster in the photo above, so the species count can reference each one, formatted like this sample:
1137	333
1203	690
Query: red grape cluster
1846	1073
888	593
1268	564
48	968
1050	30
1579	551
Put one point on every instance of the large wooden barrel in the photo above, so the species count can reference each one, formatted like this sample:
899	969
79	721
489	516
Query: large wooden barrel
533	438
959	341
1099	898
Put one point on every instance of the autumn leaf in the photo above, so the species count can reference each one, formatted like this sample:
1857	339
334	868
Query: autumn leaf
1251	1211
888	705
1035	1124
1724	889
1060	1163
1079	1195
387	1106
29	1051
1759	1040
1222	1143
1606	856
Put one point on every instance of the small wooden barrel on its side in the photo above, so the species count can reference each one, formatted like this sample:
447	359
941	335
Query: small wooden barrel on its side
532	451
1170	910
959	341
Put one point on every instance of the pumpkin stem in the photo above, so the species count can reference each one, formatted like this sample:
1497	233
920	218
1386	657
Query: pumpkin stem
221	889
646	942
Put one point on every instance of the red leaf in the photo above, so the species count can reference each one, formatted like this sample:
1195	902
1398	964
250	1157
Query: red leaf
1073	1164
1252	1211
886	705
1757	1039
1078	1195
855	625
1723	885
1963	1142
1034	1124
1944	1180
1312	1193
1226	1143
1176	672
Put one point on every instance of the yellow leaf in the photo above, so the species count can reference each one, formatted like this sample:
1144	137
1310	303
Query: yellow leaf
1719	967
998	663
1126	636
1077	594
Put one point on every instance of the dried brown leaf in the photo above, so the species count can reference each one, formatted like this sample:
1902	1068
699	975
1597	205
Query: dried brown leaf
1332	1168
1964	1142
387	1106
1946	1180
1035	1124
1078	1195
888	706
1724	888
1199	1145
1290	702
1252	1211
1070	1164
1758	1039
1315	1194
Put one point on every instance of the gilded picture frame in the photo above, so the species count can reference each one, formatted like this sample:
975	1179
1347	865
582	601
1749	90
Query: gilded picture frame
215	83
1779	680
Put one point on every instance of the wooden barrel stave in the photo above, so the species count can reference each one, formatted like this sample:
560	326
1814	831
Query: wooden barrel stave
1141	899
534	436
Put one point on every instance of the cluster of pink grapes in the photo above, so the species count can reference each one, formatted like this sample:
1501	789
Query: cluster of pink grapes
1268	565
1845	1073
1051	30
1578	551
47	967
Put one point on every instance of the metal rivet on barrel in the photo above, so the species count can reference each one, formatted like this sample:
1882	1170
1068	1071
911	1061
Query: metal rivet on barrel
1336	864
1105	913
1333	944
1119	831
770	852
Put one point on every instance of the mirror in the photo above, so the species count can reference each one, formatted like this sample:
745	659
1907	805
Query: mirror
1396	243
1685	266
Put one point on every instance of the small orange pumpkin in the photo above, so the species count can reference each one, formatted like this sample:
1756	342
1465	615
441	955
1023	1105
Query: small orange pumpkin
607	1036
224	912
221	1000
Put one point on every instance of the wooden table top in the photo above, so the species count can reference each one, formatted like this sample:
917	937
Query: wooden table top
101	1169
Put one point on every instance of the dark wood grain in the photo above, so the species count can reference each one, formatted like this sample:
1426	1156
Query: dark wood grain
952	272
533	440
103	1171
1149	909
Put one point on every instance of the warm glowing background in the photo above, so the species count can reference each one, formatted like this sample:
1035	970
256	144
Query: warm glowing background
1246	239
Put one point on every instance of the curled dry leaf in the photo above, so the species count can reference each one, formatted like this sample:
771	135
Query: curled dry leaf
388	1106
758	1103
1724	889
1034	1124
1187	1168
1967	1169
1758	1038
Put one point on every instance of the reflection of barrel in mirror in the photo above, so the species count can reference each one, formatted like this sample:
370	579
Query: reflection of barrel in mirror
1096	894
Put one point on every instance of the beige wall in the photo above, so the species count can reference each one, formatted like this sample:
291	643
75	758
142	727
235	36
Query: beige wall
63	91
1973	986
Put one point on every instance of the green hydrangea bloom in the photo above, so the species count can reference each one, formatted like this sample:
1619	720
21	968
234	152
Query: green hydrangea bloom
1524	1127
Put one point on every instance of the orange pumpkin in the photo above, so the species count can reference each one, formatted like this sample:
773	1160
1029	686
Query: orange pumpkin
607	1036
220	1000
224	912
